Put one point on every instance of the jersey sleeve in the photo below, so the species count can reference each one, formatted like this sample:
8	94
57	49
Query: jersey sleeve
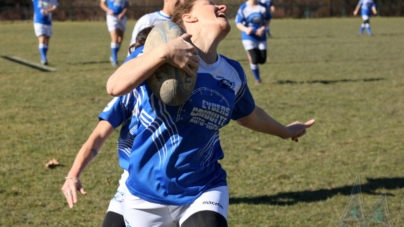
244	103
141	24
118	110
239	16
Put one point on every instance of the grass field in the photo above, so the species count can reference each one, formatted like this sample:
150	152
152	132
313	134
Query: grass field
352	85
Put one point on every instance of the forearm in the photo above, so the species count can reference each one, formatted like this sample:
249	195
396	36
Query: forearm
125	9
241	27
90	148
53	8
84	157
134	72
260	121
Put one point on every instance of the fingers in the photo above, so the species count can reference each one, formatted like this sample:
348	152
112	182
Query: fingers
69	196
308	124
186	37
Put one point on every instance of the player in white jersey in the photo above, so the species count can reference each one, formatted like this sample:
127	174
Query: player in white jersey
117	112
43	25
252	19
175	178
271	8
116	22
154	18
367	7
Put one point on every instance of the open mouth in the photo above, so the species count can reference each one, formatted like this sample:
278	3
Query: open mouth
219	14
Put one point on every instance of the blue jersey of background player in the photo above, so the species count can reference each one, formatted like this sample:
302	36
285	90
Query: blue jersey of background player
252	19
255	18
43	25
366	7
271	9
116	22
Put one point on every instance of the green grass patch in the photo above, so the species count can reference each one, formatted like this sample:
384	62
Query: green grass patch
323	69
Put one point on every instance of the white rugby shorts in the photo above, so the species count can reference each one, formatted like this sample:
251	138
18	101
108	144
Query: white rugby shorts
43	30
249	44
140	213
116	203
114	23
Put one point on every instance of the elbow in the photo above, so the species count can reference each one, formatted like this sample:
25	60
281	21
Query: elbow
111	89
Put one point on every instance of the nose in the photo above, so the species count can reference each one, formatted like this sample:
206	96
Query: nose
222	8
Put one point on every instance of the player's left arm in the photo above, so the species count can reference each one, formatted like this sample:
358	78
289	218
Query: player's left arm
125	9
272	9
374	10
355	12
260	121
49	10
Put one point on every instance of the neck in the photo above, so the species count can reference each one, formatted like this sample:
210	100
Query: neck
207	45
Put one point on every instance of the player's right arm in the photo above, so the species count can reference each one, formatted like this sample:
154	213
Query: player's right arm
178	52
85	155
355	12
104	6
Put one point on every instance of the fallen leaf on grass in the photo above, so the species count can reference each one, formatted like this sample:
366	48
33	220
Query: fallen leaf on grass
52	163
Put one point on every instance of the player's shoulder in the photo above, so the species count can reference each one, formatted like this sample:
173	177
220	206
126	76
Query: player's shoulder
233	63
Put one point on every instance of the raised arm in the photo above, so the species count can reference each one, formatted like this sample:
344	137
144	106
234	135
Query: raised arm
130	75
85	155
260	121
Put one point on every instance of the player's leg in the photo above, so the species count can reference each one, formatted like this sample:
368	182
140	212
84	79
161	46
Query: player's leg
43	32
363	25
262	52
114	215
113	219
254	55
140	213
252	50
112	23
114	47
209	210
367	26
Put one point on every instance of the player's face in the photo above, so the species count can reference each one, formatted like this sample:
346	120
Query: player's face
211	15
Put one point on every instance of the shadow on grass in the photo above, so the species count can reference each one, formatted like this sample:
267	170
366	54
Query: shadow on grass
89	63
291	198
328	81
29	64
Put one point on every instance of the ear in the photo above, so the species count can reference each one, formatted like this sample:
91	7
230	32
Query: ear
188	18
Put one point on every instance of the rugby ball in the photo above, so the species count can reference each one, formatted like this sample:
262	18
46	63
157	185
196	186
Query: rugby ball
168	83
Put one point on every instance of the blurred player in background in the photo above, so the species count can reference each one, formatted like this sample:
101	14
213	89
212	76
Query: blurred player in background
252	19
117	112
367	7
271	8
151	19
43	25
116	21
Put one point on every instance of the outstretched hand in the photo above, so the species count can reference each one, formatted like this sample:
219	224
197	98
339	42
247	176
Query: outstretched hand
70	188
182	54
298	129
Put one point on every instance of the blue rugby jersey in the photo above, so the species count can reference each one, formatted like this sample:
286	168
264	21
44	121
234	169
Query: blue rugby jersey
366	7
119	111
116	5
254	17
40	5
176	150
